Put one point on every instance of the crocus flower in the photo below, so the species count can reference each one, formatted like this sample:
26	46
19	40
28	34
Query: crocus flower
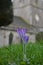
25	39
19	32
22	33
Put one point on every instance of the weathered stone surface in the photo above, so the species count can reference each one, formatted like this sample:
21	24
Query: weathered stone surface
4	38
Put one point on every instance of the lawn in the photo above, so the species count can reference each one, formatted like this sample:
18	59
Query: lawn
14	54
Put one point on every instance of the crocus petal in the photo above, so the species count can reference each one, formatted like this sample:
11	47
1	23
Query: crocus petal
25	39
23	31
19	31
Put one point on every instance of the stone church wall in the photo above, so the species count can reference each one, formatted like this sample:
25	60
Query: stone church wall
4	38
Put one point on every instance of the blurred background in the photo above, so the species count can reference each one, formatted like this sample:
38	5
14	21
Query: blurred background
26	14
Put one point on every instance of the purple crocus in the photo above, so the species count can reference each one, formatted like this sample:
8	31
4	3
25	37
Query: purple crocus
19	32
25	39
22	32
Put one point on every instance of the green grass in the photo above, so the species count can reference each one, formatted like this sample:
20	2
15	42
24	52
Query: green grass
14	53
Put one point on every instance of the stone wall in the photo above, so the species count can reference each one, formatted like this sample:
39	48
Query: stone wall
28	9
23	9
4	38
37	12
